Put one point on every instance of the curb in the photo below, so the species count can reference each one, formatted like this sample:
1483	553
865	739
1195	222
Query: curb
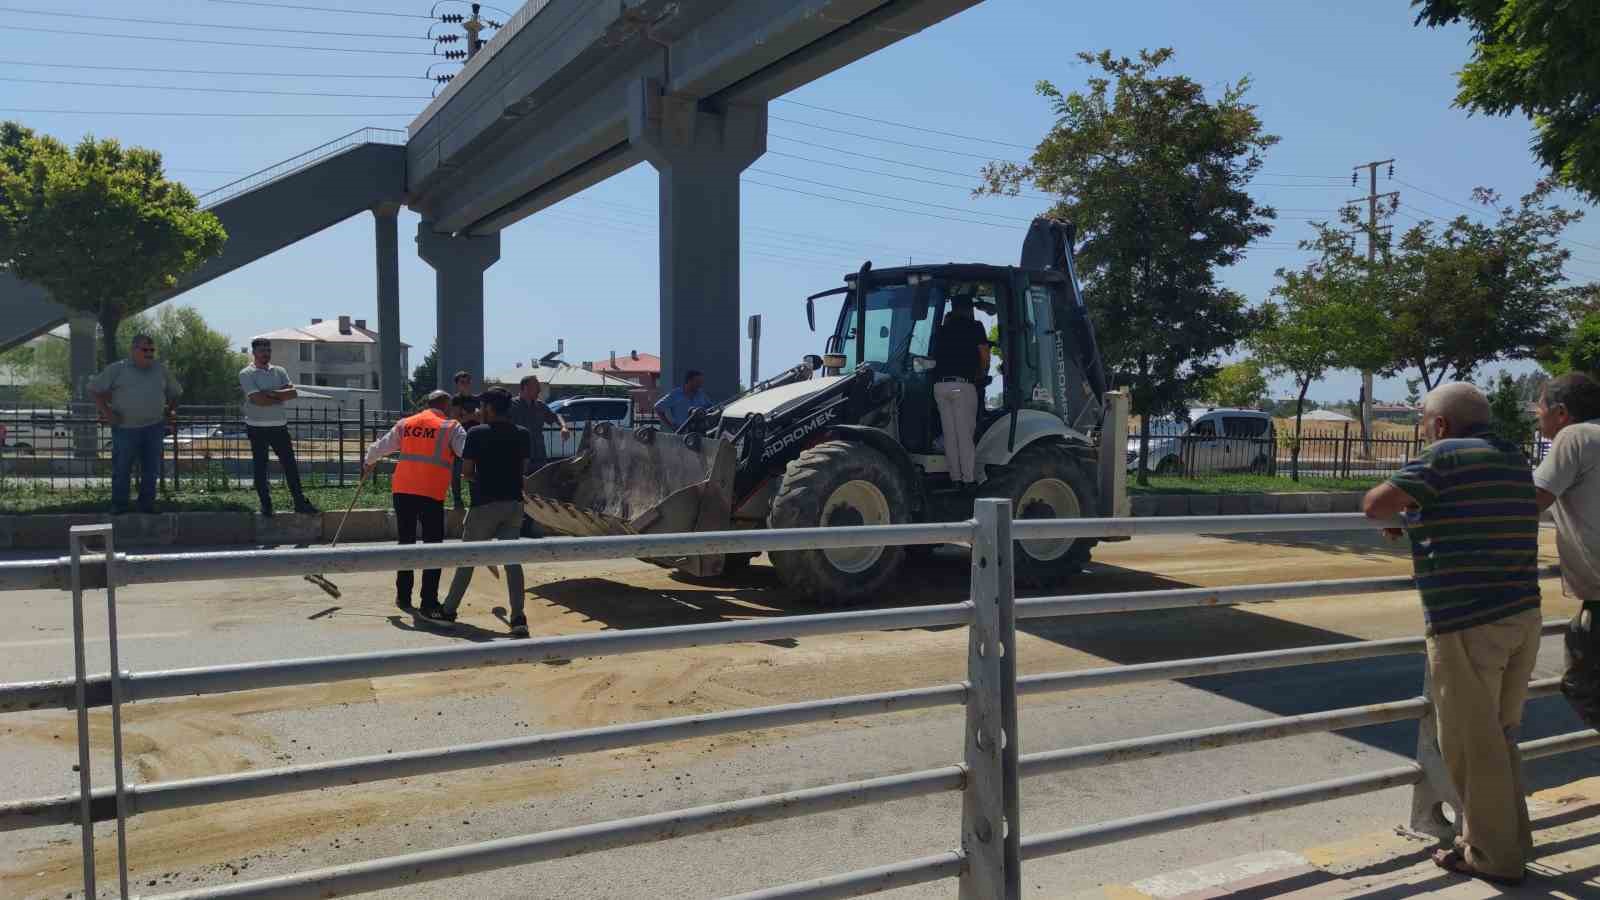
190	529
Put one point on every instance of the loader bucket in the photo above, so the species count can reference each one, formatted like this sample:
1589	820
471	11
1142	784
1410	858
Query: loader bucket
638	481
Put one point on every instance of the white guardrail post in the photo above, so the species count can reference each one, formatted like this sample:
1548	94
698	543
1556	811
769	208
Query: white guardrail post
1434	791
990	832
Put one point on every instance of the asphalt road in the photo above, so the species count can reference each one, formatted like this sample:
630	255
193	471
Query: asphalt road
209	623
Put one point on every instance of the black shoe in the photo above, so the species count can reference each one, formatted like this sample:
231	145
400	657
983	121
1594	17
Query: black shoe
404	604
433	612
305	508
266	511
519	626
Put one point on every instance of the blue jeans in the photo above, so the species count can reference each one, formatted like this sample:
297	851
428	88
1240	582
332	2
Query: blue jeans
142	444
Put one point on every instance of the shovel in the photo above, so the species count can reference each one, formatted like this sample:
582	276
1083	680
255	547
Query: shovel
322	581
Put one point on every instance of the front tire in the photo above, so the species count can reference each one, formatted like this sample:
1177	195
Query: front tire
835	484
1046	481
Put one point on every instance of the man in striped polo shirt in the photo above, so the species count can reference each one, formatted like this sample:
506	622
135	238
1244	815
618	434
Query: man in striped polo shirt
1470	509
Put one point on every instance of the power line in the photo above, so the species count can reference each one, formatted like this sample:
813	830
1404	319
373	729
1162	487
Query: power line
852	190
915	212
834	165
324	9
851	115
207	115
886	140
1483	212
168	71
207	90
183	24
185	40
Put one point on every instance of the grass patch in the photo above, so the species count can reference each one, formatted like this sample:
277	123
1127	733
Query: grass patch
1247	484
22	497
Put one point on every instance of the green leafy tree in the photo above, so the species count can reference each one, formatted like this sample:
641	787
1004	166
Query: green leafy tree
200	357
1242	385
425	377
98	226
1580	351
1508	411
1540	58
1154	174
1463	293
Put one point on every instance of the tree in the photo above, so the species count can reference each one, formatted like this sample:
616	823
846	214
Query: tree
1539	57
98	226
1242	385
425	377
1580	351
1154	175
201	358
1508	412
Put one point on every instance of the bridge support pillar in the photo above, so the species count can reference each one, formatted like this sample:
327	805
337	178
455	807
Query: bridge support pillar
458	265
391	375
699	154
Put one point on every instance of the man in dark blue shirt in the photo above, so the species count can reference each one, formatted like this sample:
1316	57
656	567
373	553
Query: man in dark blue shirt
957	354
494	458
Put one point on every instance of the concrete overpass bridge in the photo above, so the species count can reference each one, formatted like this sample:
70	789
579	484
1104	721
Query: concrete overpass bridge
567	94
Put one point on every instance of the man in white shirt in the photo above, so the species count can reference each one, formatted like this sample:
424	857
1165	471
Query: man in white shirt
266	388
1568	483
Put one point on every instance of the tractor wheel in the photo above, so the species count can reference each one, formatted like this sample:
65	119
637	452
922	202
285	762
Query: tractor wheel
737	563
839	483
1045	481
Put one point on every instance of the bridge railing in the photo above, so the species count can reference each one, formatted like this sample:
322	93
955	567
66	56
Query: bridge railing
300	161
988	769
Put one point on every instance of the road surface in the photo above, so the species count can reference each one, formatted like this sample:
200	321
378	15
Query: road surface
209	623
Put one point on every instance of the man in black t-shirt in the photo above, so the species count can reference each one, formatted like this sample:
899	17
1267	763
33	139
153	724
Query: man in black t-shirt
956	382
494	458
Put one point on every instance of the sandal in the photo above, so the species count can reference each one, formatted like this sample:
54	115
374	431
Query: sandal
1455	860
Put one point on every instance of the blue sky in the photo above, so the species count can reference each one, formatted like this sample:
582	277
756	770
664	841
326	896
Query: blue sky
1340	83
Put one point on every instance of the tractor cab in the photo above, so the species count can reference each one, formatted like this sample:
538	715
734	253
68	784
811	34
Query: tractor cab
889	317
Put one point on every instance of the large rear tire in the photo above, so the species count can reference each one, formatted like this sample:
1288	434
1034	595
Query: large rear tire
1046	481
839	483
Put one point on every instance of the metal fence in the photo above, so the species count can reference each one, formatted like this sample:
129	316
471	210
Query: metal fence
206	450
1340	453
987	769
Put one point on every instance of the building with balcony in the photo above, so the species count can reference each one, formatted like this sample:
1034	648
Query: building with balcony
341	353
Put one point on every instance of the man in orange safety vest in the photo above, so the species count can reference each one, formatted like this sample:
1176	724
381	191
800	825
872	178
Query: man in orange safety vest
426	447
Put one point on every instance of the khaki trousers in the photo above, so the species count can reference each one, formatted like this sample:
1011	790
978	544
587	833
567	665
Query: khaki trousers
1480	680
958	416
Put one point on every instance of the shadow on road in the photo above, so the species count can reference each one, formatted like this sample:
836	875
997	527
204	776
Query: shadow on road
1366	544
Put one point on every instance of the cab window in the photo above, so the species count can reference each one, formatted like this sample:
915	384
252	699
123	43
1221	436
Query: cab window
1204	428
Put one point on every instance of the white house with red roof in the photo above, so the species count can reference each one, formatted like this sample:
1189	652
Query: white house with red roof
340	352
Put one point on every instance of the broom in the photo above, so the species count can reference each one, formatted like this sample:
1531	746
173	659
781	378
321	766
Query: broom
321	581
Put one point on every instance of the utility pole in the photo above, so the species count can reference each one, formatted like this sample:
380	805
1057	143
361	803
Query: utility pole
1372	256
472	26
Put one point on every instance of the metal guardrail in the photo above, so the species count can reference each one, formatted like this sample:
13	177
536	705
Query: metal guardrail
992	846
293	164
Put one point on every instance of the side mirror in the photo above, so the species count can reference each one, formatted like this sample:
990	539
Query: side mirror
814	361
811	313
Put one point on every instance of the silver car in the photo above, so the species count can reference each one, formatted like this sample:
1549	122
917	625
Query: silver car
1215	440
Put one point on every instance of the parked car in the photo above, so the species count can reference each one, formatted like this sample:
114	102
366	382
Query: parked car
580	412
1215	440
32	430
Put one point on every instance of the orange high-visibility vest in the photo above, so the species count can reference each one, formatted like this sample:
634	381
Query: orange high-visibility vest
425	457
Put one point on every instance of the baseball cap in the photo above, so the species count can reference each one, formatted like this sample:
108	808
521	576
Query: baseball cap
435	396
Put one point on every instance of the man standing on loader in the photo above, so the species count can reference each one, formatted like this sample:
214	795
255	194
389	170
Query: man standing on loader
428	445
957	352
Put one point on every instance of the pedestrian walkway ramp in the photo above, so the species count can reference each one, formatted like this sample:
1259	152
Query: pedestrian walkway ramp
262	212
